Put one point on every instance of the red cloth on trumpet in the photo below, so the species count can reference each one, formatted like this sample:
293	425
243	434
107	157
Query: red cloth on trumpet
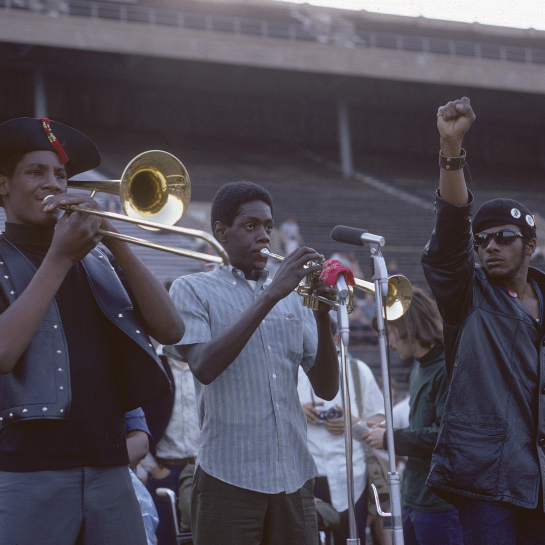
332	269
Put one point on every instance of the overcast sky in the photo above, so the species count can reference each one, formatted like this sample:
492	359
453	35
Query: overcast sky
513	13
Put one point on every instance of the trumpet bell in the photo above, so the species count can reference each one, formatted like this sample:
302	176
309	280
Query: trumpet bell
400	294
155	184
399	297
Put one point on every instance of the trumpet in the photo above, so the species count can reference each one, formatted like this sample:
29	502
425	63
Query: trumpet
155	184
398	298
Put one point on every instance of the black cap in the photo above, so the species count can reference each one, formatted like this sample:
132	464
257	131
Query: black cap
502	212
26	134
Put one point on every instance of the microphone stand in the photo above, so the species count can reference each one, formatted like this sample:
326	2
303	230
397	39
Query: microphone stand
344	330
380	277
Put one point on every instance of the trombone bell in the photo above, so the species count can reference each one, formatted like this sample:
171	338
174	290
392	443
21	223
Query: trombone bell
155	184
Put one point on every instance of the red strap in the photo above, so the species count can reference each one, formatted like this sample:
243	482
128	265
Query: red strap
332	269
63	158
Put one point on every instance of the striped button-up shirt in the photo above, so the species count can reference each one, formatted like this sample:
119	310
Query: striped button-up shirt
253	430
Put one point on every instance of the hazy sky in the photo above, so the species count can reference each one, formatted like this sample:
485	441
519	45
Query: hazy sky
513	13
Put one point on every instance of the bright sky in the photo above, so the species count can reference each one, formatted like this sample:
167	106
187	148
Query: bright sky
513	13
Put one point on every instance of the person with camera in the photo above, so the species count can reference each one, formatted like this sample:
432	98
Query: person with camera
325	440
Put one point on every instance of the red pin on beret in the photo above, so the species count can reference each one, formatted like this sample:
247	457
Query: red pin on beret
25	134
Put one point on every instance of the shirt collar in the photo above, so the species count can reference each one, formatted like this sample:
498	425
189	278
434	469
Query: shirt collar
429	357
229	272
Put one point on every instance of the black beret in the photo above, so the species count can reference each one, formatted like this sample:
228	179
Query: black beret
502	212
26	134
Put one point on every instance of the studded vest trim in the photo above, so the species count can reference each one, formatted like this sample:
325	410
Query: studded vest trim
39	384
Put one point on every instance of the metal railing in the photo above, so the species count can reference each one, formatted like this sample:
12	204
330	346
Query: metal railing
295	30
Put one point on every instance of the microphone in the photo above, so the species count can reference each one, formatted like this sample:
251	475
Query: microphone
357	237
342	313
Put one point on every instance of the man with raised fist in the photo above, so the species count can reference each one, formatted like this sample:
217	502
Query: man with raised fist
489	459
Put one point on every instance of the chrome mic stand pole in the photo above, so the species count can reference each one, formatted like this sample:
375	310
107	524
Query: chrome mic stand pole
344	330
380	276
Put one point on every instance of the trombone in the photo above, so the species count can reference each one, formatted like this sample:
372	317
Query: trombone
155	184
398	299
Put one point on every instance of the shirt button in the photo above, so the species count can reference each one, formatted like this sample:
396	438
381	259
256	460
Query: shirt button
269	347
278	405
541	442
274	376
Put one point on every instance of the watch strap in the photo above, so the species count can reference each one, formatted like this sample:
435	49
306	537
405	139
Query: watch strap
452	163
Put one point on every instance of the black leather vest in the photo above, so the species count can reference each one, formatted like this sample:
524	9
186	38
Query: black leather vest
39	384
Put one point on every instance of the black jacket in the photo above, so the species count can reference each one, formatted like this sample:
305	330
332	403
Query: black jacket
32	389
492	436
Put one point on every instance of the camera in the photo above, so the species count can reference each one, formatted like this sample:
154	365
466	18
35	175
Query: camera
325	414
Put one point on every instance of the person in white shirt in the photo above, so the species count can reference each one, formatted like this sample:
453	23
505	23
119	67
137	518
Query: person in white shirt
325	440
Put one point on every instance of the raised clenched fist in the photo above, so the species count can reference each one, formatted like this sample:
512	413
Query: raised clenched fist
454	119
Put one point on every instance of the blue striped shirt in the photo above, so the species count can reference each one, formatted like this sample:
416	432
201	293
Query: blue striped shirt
253	430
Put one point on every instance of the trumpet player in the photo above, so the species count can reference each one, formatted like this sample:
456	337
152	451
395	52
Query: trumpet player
74	354
246	336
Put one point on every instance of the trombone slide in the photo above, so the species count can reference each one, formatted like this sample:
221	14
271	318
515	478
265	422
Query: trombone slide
222	258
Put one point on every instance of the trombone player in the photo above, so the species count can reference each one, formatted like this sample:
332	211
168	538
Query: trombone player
246	337
74	354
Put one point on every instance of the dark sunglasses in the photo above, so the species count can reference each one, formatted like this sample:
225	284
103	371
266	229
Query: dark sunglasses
500	237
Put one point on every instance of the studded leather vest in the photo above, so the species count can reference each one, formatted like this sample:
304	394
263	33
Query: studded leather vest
39	384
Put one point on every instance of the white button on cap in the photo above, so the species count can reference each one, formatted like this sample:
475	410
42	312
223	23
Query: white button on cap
44	409
59	352
61	387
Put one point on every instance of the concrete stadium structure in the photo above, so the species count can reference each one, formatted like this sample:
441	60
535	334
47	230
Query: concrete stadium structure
270	71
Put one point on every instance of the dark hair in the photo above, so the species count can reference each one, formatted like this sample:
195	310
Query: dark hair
230	197
421	322
8	165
